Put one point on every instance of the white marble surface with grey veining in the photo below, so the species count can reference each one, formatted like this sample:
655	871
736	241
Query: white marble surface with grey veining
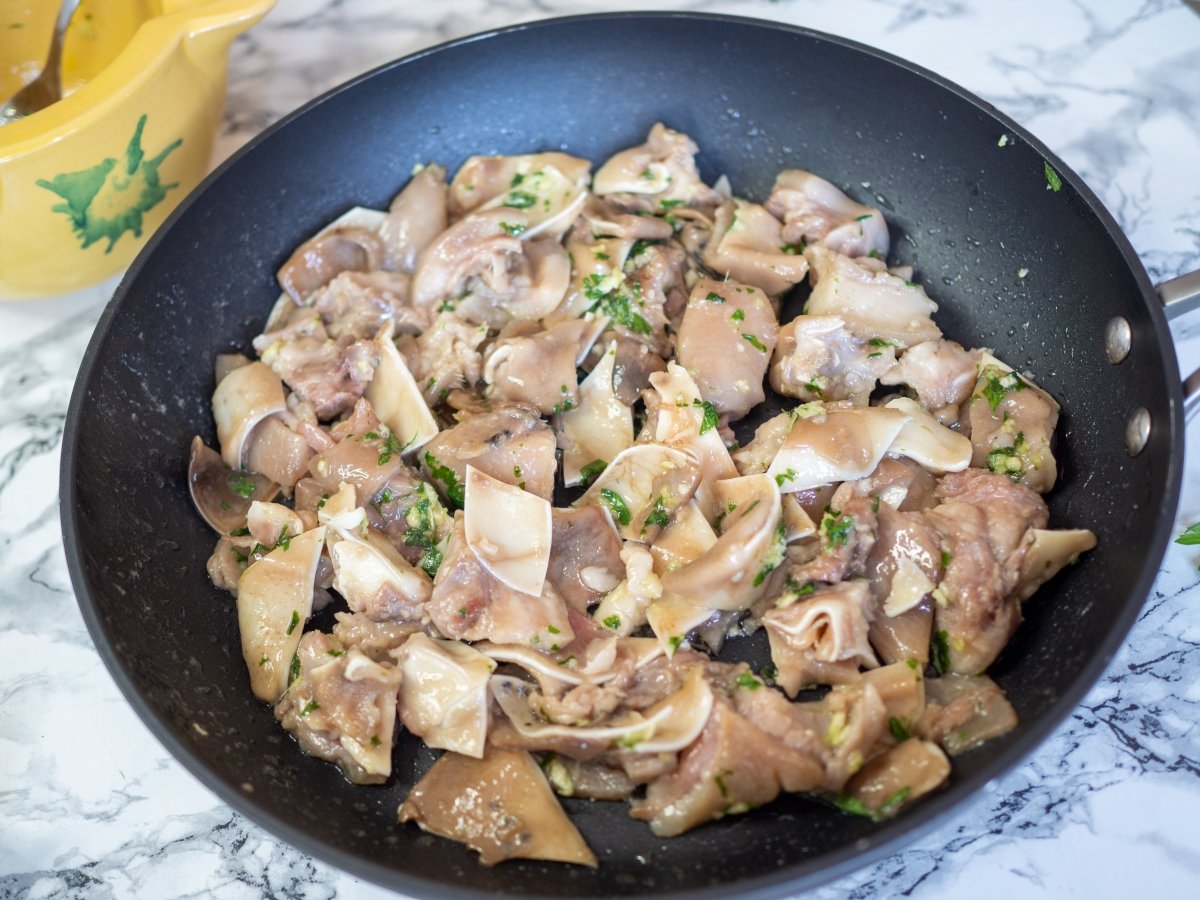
91	805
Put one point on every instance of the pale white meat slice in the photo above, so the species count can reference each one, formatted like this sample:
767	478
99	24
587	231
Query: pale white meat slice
509	530
814	212
664	167
904	566
482	179
502	807
342	708
1012	423
471	604
899	777
748	246
822	638
416	216
396	397
1048	552
274	599
642	487
511	444
243	398
279	453
444	693
818	358
444	356
964	711
873	302
731	574
357	304
271	523
599	427
688	537
941	372
725	342
755	456
345	245
933	445
836	445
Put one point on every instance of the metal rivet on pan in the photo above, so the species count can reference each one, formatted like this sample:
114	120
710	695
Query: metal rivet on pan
1137	432
1117	338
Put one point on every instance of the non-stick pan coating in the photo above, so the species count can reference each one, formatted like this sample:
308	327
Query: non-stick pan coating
966	212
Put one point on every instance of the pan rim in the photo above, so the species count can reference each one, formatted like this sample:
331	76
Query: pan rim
889	838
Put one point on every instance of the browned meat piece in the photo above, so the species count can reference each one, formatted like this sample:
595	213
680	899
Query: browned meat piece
500	806
342	708
356	305
731	768
537	369
818	358
898	777
593	780
663	168
375	639
585	556
1012	425
982	521
846	533
725	342
471	604
821	638
904	566
941	372
511	444
964	711
816	212
317	261
279	453
445	356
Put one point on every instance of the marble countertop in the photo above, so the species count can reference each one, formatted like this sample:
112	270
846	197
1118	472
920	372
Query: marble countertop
93	806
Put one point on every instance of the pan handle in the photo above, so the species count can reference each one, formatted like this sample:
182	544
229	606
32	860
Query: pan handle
1181	296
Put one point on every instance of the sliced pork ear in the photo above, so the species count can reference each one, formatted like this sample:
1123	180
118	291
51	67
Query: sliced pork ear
396	397
1012	425
509	530
825	447
623	609
815	212
731	574
1046	553
355	305
245	397
754	457
687	538
599	427
279	453
416	216
351	243
444	693
822	638
342	708
748	246
664	167
872	302
930	443
502	807
444	357
221	495
725	342
511	444
482	180
642	487
964	711
479	245
274	599
550	198
895	779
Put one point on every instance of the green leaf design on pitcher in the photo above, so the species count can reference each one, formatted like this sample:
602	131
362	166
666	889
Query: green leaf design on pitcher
110	198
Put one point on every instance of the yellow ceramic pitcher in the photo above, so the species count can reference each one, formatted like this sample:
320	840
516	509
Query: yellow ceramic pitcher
86	181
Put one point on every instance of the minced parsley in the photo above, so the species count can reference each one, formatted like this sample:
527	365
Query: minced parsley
755	343
455	490
242	484
709	420
592	470
940	652
616	504
658	516
614	304
997	384
836	527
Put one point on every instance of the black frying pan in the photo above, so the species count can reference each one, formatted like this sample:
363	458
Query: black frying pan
965	212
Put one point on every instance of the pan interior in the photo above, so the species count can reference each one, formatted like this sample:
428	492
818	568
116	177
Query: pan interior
967	213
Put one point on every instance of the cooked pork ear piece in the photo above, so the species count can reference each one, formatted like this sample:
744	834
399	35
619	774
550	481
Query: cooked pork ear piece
416	216
222	495
397	398
1012	423
523	182
871	301
600	425
642	487
941	372
274	600
821	639
244	398
928	442
351	243
444	693
818	358
814	212
725	342
509	530
824	447
664	168
748	246
502	807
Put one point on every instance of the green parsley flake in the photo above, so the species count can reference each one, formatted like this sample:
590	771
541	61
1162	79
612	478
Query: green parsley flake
748	681
836	527
615	305
616	504
862	218
613	622
294	668
946	557
714	297
455	490
940	652
514	230
592	470
997	384
801	590
658	516
284	540
295	621
738	315
755	343
242	484
1053	182
519	200
310	706
898	729
784	477
709	420
239	532
392	447
794	249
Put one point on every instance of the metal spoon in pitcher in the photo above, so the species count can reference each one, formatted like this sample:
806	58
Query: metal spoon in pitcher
47	87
